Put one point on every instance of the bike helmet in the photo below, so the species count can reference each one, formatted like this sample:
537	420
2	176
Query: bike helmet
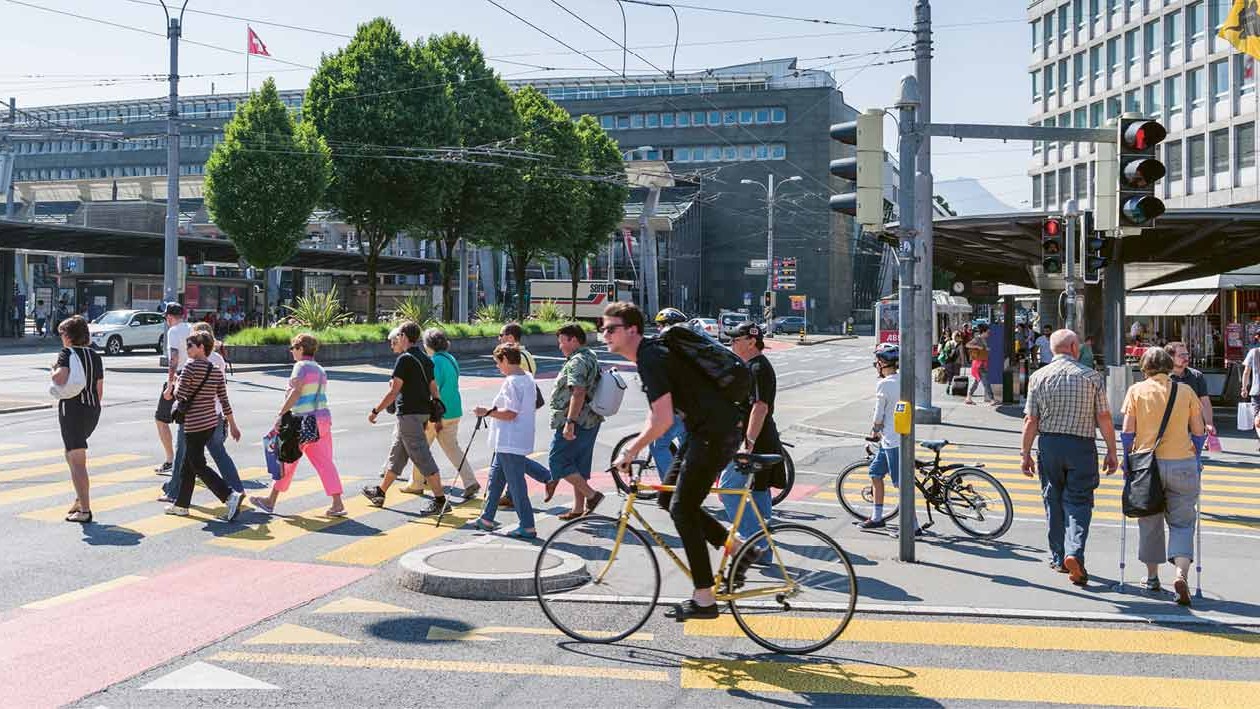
888	352
670	316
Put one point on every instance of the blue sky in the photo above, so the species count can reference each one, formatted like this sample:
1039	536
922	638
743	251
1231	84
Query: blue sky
982	52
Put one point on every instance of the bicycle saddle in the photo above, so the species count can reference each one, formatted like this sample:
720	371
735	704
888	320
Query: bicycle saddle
934	446
749	462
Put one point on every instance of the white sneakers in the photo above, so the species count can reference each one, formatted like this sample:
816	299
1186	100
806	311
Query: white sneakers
177	510
233	506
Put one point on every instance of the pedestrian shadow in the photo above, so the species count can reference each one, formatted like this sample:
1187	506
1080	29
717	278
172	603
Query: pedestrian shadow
419	629
989	549
108	535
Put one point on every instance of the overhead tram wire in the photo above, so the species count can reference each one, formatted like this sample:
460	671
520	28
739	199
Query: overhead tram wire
553	37
251	20
764	15
640	57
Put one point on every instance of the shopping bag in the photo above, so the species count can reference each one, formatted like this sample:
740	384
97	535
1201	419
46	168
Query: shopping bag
1246	421
1214	443
271	452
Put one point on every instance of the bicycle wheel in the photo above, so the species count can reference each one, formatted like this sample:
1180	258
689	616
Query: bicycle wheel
611	589
978	503
789	468
856	494
644	461
804	598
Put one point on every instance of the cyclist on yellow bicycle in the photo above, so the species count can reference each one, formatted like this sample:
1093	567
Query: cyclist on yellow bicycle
714	434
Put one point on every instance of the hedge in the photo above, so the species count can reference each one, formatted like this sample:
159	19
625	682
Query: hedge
282	335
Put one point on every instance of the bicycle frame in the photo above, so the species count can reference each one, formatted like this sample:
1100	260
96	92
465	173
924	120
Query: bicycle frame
727	561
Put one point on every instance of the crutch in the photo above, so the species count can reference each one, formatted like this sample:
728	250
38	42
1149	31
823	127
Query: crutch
1124	528
473	437
1198	540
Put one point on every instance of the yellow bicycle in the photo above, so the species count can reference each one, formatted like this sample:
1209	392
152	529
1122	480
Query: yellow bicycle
598	581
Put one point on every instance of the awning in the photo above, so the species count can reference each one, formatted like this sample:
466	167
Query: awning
1167	304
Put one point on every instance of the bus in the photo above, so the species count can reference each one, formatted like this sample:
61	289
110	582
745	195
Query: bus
949	313
592	296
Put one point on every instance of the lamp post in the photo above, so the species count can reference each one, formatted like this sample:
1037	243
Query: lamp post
769	188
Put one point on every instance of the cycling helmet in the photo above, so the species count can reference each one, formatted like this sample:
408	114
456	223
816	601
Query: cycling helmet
670	316
888	352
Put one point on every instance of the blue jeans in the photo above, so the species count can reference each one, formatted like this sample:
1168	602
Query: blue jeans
1068	468
662	458
217	451
748	524
566	457
508	469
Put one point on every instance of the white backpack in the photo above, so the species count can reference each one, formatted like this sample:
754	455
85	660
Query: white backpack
610	389
77	381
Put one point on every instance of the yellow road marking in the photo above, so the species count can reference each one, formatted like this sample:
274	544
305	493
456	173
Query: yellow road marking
487	633
1107	484
107	503
83	593
32	455
1235	477
953	683
60	467
11	446
389	543
277	531
994	635
359	605
63	487
475	667
163	523
290	634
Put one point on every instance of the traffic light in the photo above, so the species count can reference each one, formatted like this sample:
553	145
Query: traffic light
866	169
1139	170
1092	260
1052	229
767	299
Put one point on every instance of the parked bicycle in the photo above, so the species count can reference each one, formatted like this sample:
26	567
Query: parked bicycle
797	599
645	460
971	497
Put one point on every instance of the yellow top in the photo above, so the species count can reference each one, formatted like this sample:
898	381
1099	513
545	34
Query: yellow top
1146	401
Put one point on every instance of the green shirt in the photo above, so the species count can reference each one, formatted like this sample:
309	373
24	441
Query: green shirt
446	372
581	369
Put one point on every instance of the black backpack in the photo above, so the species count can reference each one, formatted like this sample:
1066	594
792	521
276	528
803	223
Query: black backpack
720	366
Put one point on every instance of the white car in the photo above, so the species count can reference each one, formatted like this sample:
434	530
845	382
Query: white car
119	331
708	326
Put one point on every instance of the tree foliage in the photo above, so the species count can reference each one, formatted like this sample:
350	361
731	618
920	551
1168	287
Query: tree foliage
479	200
367	99
265	178
603	200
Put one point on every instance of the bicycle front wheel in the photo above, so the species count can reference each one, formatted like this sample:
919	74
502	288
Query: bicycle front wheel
789	469
644	463
856	492
799	599
978	503
595	585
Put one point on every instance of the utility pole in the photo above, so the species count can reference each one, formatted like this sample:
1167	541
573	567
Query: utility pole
908	254
6	165
768	315
925	325
1072	215
170	252
463	280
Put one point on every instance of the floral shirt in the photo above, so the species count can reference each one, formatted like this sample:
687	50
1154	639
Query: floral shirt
581	369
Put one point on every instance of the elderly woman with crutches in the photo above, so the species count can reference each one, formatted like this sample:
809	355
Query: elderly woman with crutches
1162	435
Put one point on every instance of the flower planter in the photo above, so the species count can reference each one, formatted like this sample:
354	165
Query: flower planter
366	352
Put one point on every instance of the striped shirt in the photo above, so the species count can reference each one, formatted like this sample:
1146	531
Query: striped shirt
1066	397
200	413
310	380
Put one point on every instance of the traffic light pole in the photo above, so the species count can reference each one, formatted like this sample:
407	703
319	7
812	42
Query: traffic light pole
1072	215
170	250
908	255
925	326
768	315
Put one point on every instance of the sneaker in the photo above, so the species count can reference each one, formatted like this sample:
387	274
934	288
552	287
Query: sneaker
471	491
177	510
873	524
166	498
1182	590
233	506
164	469
375	495
1151	584
1076	570
689	610
436	507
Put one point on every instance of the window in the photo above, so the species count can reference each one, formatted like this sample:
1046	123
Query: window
1095	10
697	118
713	153
1036	84
1194	88
746	117
1048	82
1197	147
1113	107
1245	73
763	152
1154	106
1065	183
715	118
1064	80
1095	62
729	118
1172	94
778	151
745	152
1051	200
1036	34
1172	32
1079	118
1096	115
1220	80
1113	54
1036	191
1133	101
763	115
1220	151
623	122
667	120
1245	146
1194	21
1078	13
730	154
684	119
1078	68
652	120
778	115
1216	16
1065	30
1080	181
636	120
682	154
1131	51
1047	29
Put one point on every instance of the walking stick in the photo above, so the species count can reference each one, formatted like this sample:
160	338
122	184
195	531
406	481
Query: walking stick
1198	540
473	437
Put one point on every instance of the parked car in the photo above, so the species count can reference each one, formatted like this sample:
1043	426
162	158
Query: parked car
791	324
118	331
708	326
728	319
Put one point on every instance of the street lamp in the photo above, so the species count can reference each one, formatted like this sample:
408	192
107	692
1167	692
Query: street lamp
645	149
769	188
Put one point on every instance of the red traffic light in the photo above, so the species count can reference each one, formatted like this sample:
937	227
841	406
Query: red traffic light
1143	135
1052	227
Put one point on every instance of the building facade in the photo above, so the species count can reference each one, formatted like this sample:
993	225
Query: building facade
1095	59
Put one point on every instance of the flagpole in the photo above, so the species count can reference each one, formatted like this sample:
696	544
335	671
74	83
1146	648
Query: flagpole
248	46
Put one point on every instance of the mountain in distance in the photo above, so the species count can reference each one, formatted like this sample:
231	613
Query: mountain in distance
966	197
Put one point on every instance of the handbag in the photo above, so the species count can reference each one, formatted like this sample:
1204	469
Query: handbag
1246	421
1143	487
177	412
437	410
539	402
75	383
271	454
308	425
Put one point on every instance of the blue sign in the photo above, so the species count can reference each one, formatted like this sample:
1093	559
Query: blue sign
747	298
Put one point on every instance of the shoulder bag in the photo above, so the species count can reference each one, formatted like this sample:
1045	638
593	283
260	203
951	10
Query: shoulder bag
177	411
1143	485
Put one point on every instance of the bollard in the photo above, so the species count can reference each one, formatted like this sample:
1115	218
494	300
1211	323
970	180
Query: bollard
802	336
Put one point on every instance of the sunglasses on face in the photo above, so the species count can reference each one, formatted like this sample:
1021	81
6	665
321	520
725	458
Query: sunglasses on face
610	328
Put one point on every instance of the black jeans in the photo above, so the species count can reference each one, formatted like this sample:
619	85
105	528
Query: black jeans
195	465
695	469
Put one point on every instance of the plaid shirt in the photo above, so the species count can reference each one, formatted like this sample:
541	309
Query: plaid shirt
1066	397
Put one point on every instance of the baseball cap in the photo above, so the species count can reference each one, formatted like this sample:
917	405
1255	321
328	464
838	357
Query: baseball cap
174	309
746	329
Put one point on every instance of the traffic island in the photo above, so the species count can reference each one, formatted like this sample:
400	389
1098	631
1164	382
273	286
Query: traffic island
487	572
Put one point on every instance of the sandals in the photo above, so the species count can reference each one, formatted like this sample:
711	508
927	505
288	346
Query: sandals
80	516
330	512
566	516
521	534
484	525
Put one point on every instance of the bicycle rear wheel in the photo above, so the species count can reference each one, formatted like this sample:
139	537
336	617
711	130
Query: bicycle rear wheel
789	468
856	493
612	588
805	596
978	503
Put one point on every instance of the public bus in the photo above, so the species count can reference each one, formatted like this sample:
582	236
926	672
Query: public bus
949	313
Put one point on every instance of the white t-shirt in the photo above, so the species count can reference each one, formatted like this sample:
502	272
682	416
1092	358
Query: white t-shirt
1253	360
887	394
515	436
1043	350
175	339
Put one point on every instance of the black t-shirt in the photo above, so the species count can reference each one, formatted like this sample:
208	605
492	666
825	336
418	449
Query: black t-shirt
93	371
703	409
415	369
764	388
1194	378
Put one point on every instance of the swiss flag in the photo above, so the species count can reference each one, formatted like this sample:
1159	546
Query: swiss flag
255	45
1249	67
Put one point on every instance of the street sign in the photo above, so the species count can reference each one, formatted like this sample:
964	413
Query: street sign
759	263
747	298
750	271
798	302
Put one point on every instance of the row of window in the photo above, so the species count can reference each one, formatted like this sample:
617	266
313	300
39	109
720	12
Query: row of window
1188	160
688	119
92	173
1200	18
149	111
647	88
712	153
197	140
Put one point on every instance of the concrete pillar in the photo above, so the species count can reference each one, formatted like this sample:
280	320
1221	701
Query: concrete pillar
1112	346
1048	308
7	263
1092	324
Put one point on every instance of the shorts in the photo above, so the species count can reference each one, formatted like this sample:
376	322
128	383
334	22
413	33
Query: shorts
887	462
164	409
410	444
77	423
1255	406
575	456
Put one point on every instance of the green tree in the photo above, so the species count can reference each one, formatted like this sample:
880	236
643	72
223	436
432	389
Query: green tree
603	201
367	99
548	185
480	199
265	178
